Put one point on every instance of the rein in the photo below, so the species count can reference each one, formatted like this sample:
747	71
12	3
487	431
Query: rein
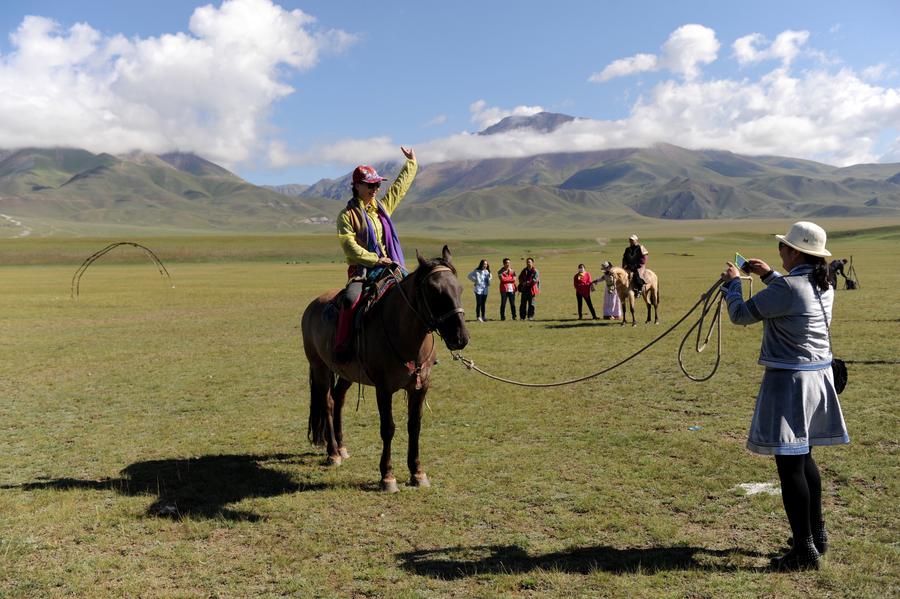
708	304
431	323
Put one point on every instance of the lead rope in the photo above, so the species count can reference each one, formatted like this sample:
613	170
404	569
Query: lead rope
706	299
715	323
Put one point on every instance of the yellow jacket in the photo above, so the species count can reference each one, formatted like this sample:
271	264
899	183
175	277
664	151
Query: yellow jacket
352	233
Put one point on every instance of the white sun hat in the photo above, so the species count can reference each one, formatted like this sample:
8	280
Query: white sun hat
806	237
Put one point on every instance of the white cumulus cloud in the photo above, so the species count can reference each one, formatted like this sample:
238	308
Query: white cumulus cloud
785	48
485	116
877	72
626	66
208	90
687	48
831	114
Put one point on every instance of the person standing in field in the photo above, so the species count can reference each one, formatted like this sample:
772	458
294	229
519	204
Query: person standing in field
634	259
368	237
507	278
837	268
612	306
583	283
529	287
481	276
797	406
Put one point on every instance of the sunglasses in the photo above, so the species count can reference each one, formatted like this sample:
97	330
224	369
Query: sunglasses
372	185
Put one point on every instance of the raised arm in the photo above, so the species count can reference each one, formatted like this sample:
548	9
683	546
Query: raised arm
402	183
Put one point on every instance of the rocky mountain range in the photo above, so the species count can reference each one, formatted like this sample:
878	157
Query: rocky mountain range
184	191
663	181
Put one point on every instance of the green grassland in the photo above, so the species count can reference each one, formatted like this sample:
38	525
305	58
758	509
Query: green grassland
139	402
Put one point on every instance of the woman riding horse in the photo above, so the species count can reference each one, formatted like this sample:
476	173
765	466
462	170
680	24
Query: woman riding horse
368	238
389	357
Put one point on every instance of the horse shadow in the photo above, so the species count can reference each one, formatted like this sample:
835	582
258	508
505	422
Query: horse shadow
199	487
454	563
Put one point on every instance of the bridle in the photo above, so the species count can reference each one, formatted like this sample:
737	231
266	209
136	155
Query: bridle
432	322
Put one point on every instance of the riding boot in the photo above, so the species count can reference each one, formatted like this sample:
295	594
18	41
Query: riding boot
802	556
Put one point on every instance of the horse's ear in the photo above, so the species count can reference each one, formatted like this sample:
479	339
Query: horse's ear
419	258
445	254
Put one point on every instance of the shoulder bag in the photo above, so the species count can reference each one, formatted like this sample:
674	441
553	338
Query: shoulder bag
838	367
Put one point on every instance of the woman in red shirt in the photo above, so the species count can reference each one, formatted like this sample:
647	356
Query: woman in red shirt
582	284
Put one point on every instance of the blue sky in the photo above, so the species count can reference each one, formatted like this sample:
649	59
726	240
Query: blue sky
283	96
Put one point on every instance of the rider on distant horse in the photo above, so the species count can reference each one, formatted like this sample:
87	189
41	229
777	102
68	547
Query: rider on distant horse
633	260
368	237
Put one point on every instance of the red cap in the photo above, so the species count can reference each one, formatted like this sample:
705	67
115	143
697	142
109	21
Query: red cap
367	174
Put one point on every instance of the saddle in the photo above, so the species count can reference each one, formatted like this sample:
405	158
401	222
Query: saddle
350	318
374	288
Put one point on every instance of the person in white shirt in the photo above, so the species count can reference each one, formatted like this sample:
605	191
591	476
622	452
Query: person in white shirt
481	276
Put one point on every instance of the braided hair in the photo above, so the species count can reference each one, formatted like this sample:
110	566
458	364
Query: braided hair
820	273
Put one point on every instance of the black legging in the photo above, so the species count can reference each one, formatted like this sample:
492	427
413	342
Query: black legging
801	493
480	301
587	299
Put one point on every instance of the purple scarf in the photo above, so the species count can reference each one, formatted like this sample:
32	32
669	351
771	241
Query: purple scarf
392	242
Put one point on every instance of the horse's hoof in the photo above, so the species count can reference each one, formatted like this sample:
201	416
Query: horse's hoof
343	451
634	324
389	485
419	480
333	461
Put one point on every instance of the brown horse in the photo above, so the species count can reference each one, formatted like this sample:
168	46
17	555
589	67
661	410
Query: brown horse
394	350
650	292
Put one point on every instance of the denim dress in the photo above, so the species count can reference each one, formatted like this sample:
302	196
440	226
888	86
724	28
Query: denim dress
797	406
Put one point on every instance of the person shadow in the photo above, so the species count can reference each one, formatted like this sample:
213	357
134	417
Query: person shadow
200	487
453	563
575	323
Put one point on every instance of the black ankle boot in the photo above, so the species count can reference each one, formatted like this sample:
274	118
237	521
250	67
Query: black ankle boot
802	556
820	538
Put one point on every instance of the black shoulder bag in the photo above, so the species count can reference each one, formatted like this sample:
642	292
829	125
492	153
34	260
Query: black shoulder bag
838	368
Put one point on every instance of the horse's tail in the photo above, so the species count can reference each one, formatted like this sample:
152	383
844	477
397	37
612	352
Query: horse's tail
320	377
318	409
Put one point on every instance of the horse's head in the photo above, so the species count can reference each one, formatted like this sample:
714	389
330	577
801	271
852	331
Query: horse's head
439	298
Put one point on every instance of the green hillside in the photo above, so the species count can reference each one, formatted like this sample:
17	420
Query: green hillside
46	191
663	181
172	191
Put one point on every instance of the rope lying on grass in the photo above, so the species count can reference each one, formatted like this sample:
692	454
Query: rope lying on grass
707	300
76	278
